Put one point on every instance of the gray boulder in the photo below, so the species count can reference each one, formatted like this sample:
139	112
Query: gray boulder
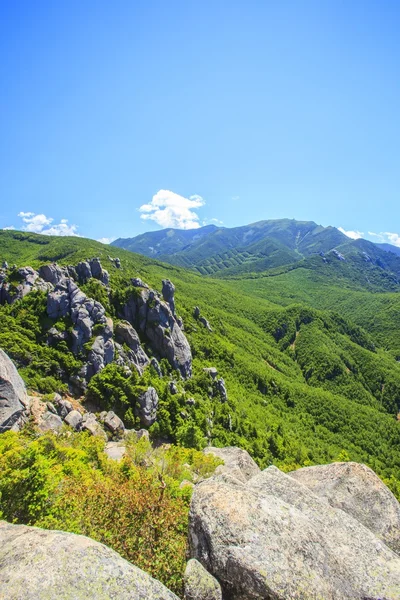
237	462
199	584
37	563
221	389
126	334
205	323
91	425
63	406
14	401
52	273
272	537
146	407
212	371
113	423
83	271
50	422
156	366
102	351
74	419
356	490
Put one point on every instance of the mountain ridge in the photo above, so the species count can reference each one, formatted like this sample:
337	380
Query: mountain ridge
258	247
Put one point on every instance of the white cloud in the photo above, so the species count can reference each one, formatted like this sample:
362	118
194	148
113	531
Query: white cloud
169	209
106	240
393	238
354	235
41	224
9	228
386	237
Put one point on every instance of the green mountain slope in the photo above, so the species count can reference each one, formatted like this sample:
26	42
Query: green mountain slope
266	245
304	385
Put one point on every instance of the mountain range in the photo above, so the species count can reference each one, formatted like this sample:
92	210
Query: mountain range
254	248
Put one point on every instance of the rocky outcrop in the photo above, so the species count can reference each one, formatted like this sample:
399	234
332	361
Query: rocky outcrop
237	462
146	407
356	490
14	401
168	291
135	356
273	537
102	351
35	563
154	319
199	584
23	281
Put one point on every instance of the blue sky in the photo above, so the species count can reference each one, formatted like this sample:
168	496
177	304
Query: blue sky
117	118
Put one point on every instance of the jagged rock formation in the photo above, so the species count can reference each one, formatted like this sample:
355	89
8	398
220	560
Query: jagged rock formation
270	536
199	584
23	281
155	320
136	356
35	563
14	401
152	317
168	291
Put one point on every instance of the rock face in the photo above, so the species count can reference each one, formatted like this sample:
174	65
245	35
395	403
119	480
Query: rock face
14	401
126	334
168	291
35	563
199	584
237	462
271	537
156	321
356	490
146	408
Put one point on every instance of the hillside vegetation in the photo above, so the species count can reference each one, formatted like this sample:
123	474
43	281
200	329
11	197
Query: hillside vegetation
305	386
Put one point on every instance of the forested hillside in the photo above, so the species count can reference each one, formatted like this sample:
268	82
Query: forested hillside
304	385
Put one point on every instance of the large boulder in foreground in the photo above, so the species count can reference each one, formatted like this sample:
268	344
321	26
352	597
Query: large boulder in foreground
271	537
14	401
359	492
35	563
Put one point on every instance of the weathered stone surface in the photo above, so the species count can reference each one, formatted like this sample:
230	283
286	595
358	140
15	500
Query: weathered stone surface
50	422
91	424
154	318
74	419
113	422
356	490
221	389
28	280
14	401
168	291
205	323
199	583
237	462
272	537
125	333
52	273
212	371
39	564
102	351
173	388
63	406
83	271
146	407
156	366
